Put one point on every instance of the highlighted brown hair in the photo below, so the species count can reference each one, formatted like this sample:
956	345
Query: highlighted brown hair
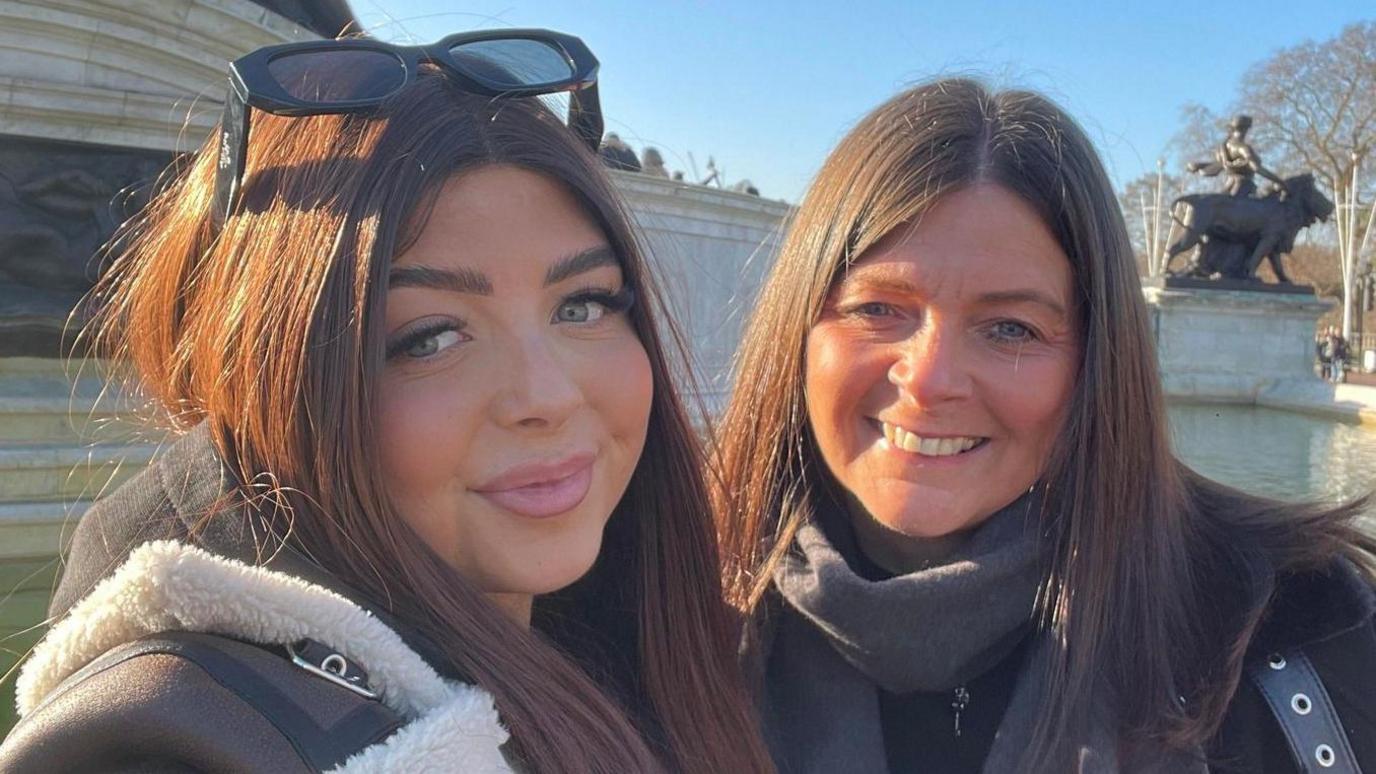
272	333
1146	581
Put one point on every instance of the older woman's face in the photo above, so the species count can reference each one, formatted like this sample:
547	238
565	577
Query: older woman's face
515	398
939	372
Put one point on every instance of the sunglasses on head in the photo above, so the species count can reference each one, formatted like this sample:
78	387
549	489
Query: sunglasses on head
356	76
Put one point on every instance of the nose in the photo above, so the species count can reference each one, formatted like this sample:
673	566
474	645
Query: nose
540	390
929	366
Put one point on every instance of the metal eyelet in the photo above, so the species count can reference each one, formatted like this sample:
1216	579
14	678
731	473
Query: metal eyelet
335	664
1276	661
334	668
1301	704
1325	756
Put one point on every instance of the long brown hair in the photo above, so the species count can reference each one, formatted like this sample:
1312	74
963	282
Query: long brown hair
1145	563
272	332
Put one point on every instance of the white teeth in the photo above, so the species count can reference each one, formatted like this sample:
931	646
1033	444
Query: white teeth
909	441
927	447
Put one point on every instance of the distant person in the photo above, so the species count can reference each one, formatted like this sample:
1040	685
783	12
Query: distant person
652	163
1321	351
948	502
616	154
1324	347
1335	355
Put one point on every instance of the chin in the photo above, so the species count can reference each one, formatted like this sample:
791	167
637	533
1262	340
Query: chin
548	570
921	524
556	579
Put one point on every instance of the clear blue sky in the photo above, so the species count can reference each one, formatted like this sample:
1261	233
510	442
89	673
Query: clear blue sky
769	87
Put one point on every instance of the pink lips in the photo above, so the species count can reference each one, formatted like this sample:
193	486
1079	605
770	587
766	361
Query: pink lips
543	489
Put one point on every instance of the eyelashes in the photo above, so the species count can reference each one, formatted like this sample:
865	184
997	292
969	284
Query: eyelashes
413	338
575	309
881	315
613	302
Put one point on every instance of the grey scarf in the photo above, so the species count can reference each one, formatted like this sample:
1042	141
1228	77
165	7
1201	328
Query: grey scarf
840	637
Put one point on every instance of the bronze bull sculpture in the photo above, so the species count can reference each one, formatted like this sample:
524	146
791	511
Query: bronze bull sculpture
1234	234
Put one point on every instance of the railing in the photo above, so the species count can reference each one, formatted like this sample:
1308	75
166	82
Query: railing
1358	342
1361	343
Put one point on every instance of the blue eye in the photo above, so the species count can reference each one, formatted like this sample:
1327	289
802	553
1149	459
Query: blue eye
1011	331
871	309
426	342
433	344
580	312
591	305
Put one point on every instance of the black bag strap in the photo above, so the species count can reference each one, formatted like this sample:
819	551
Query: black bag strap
238	666
1305	713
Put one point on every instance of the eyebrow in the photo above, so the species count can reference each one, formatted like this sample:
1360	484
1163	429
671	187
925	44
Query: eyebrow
902	286
464	280
458	280
580	262
883	283
1023	296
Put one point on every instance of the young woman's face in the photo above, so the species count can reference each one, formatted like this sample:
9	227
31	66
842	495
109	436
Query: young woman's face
516	395
939	372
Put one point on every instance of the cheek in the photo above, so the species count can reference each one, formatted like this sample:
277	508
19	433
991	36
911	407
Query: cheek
630	394
420	426
625	385
837	375
1034	404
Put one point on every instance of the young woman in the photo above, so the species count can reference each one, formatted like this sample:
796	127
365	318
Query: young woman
435	504
949	503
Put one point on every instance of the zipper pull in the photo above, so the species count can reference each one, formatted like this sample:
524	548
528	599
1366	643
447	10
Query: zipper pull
960	701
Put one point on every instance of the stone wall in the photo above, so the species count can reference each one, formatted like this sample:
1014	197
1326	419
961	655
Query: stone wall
95	98
145	74
1231	345
710	249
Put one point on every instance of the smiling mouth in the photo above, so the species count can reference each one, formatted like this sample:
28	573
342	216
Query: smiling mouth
947	446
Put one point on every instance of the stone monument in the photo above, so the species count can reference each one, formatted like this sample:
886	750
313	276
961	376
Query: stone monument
1222	333
96	97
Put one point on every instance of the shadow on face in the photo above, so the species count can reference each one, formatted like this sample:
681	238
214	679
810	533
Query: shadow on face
515	399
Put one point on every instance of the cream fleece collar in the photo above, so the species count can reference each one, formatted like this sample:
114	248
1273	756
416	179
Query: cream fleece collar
171	586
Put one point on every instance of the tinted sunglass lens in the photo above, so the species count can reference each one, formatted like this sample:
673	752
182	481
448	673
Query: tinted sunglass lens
338	76
513	63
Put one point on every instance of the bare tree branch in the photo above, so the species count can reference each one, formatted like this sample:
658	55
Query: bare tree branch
1314	106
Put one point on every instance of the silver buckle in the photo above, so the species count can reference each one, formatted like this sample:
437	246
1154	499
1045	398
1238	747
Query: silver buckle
334	668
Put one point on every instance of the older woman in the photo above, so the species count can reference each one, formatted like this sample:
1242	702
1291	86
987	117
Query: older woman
949	503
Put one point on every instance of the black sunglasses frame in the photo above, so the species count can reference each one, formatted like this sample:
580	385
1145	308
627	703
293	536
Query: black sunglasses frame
251	84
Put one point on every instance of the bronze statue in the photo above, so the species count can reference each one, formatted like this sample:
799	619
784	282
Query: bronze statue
1238	159
616	154
1234	233
652	162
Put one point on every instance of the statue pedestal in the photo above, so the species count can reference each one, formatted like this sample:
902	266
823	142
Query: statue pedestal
1230	345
